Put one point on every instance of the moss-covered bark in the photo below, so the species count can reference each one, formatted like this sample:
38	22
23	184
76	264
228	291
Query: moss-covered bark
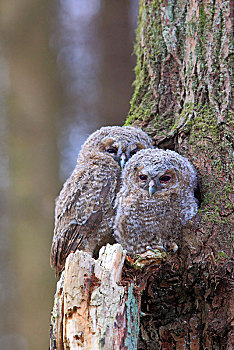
182	99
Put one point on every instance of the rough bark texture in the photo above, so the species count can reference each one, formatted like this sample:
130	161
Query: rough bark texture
182	99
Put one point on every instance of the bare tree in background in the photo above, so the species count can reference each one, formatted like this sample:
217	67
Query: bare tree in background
182	99
32	106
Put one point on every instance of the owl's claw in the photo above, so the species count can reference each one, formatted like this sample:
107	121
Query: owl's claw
148	257
160	247
149	248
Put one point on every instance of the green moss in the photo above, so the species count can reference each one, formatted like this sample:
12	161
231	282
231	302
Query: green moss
212	140
203	22
151	51
221	255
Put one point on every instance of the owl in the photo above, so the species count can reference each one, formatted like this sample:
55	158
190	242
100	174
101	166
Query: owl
84	210
155	200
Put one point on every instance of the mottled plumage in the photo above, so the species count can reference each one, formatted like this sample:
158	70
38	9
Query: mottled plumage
84	210
155	200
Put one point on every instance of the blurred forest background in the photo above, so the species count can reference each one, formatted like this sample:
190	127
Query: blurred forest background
66	68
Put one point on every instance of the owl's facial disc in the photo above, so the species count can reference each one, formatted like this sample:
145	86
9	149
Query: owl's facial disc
154	180
120	151
162	182
116	152
158	183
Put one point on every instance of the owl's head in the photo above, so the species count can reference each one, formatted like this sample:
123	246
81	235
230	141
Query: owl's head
119	143
159	173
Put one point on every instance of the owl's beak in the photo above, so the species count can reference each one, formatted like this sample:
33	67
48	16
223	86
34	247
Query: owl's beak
152	187
123	160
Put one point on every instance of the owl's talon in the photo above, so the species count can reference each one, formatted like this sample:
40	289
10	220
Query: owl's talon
150	248
148	257
160	247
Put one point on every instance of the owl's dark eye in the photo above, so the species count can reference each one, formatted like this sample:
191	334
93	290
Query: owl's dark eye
165	178
112	150
143	177
134	151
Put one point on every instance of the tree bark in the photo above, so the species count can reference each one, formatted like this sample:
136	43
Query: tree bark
182	99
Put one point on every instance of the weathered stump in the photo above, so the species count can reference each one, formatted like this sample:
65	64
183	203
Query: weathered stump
91	309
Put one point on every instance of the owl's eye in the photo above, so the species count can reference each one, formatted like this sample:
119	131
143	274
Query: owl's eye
134	151
112	150
143	177
165	178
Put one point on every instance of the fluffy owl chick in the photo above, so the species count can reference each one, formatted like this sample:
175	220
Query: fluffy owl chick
155	200
84	210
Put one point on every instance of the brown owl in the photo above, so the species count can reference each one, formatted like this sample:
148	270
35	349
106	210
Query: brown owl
155	200
84	210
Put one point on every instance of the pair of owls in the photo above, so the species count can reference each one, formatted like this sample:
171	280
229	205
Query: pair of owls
144	205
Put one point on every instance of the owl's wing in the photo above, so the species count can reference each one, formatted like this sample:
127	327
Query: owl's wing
79	214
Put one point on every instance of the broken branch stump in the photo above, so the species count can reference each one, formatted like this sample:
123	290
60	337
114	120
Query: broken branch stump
91	309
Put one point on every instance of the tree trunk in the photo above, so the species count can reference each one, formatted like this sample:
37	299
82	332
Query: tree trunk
182	99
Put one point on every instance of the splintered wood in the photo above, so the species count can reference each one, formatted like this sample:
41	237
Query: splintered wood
90	308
